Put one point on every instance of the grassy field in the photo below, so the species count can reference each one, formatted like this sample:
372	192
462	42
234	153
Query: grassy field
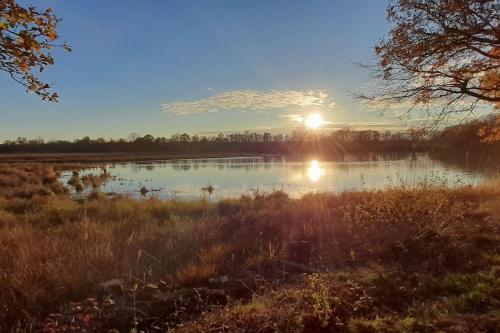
399	260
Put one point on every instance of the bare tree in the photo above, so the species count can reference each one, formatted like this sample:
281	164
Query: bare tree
442	56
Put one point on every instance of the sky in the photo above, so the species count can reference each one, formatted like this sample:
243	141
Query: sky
161	67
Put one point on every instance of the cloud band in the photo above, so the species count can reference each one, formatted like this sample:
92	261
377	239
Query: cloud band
252	100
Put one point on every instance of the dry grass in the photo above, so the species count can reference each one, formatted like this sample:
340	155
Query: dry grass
392	261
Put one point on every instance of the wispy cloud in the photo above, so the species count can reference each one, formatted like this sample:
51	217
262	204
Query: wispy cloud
252	100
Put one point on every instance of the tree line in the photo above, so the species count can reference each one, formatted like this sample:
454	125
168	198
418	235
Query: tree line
298	141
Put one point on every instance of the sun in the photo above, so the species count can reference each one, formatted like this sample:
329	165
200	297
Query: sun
314	121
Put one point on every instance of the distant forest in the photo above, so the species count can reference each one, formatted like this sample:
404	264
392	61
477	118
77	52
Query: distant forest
466	136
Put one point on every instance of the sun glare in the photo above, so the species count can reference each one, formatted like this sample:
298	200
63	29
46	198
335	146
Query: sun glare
314	121
314	172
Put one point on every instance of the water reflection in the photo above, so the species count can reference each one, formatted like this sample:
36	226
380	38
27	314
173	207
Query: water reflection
183	179
314	171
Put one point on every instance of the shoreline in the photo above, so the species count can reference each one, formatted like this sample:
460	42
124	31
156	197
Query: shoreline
149	156
110	157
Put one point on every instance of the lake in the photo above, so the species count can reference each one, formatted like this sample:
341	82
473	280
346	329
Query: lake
189	179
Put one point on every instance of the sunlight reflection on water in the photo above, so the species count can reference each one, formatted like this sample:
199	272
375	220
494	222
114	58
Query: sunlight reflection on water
314	171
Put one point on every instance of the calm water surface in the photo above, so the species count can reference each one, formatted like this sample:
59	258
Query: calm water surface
232	177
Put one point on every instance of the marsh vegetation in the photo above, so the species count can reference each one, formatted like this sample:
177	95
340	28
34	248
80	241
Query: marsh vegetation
418	260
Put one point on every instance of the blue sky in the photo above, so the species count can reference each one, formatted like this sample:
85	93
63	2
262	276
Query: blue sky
162	67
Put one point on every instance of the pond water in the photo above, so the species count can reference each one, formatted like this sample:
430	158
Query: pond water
192	179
